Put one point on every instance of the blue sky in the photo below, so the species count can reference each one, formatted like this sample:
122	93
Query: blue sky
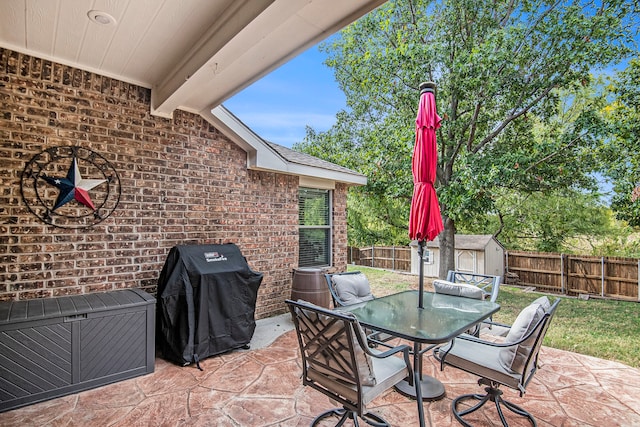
300	93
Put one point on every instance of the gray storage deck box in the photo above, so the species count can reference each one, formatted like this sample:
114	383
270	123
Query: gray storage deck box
57	346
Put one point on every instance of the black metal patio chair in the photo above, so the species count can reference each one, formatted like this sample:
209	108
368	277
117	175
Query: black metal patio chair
462	290
337	362
489	284
351	288
511	363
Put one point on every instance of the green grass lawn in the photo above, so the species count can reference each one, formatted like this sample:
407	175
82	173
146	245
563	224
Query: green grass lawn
605	329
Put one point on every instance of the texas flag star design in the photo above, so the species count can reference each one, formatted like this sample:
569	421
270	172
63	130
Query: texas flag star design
74	187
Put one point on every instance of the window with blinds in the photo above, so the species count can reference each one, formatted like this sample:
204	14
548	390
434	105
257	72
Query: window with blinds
314	219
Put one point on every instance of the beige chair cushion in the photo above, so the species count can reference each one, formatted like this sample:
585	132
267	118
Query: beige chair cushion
514	358
364	363
482	360
457	289
388	372
352	288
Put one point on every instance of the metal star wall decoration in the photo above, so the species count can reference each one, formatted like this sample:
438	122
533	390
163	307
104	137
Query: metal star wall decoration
95	199
74	187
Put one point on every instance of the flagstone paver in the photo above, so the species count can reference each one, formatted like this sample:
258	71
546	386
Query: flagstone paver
260	388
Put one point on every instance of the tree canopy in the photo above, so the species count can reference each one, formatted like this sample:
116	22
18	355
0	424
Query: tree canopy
622	154
500	68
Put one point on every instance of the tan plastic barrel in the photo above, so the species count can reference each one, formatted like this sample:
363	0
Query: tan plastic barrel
310	285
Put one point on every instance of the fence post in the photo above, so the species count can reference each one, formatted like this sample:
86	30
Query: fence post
372	251
506	262
602	278
562	274
639	280
393	257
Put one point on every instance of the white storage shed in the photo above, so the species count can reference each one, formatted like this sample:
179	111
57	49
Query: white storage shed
481	254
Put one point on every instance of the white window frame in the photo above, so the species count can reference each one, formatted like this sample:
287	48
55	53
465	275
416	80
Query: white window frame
328	227
427	256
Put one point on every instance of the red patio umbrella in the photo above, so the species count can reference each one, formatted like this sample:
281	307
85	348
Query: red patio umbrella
425	220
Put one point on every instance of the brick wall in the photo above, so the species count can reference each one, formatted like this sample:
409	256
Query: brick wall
181	182
340	228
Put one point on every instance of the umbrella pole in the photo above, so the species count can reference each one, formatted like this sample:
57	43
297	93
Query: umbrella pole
421	244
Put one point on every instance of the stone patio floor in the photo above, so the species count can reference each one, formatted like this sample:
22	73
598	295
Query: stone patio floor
262	387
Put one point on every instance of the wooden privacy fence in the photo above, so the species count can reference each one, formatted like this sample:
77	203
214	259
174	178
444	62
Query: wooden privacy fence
610	277
387	257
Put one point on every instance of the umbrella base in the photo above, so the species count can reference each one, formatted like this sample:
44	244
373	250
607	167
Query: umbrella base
432	389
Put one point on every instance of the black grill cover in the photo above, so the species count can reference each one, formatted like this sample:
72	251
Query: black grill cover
206	302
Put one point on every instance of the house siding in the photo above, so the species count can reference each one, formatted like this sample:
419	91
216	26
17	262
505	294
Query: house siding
182	182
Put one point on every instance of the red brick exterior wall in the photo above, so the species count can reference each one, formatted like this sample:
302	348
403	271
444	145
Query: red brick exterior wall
340	229
182	182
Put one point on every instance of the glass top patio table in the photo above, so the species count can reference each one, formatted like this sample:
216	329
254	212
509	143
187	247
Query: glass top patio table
442	318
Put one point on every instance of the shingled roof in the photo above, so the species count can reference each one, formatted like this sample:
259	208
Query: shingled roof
303	159
269	156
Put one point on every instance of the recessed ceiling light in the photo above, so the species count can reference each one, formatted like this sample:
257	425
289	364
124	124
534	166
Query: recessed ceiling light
102	18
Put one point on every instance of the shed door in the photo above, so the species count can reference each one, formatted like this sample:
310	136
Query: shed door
466	261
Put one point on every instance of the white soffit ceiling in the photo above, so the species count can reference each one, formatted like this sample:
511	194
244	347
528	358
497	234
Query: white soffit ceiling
193	54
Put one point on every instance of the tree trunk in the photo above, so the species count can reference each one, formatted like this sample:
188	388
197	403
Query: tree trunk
447	247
